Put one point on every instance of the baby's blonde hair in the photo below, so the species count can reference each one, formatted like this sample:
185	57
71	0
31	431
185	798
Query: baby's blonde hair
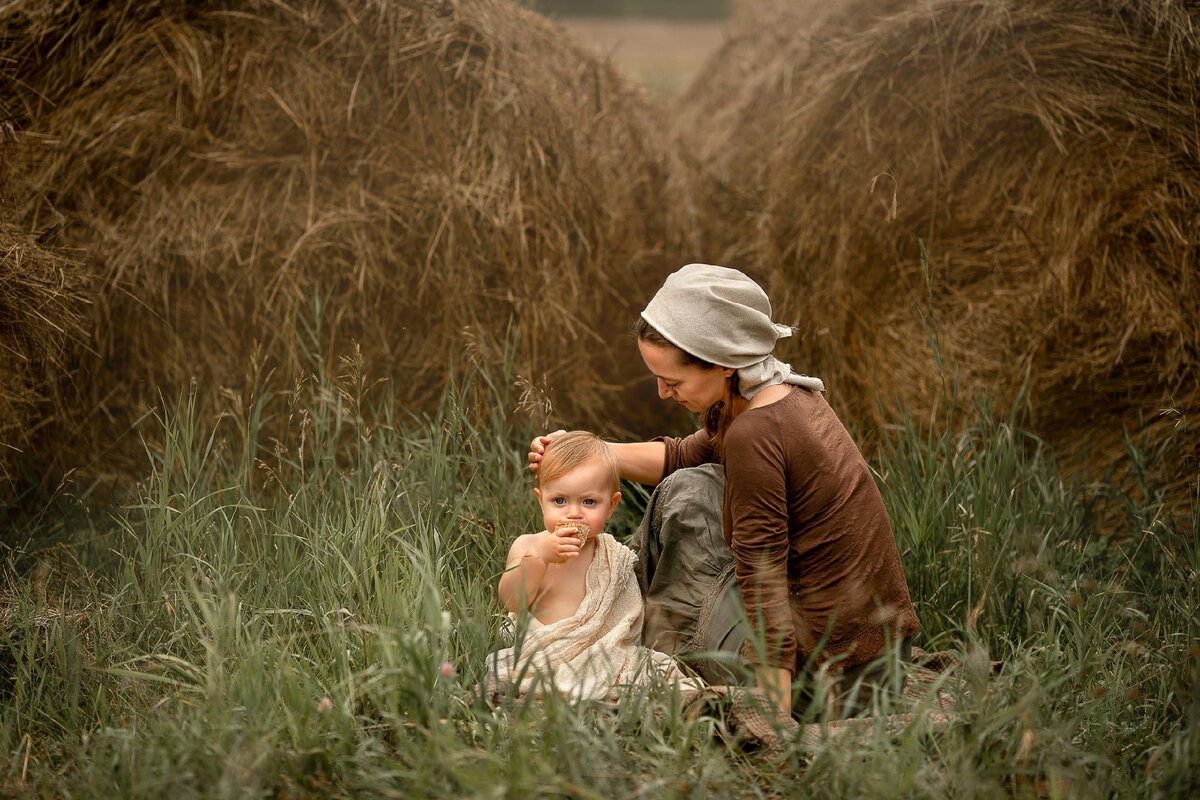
573	449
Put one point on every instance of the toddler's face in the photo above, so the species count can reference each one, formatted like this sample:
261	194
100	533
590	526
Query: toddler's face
582	495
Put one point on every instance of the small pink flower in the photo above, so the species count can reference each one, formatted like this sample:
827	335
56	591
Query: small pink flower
325	705
447	670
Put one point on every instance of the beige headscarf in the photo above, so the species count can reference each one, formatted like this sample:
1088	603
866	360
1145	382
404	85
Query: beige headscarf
720	315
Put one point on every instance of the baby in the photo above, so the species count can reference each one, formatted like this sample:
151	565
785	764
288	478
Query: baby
577	583
577	491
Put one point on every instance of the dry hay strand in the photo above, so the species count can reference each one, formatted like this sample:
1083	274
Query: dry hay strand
811	20
729	117
40	309
423	172
1048	155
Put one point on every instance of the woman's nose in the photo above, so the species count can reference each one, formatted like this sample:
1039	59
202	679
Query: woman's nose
664	391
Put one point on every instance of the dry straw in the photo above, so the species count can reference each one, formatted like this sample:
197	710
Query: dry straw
423	172
41	305
729	119
39	318
1047	153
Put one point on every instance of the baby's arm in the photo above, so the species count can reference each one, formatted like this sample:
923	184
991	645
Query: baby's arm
529	559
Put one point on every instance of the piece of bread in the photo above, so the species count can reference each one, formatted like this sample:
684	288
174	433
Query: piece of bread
582	531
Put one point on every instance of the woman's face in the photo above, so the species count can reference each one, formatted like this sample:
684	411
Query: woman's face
692	386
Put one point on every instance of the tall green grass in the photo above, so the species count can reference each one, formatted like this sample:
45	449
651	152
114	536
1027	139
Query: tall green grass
308	613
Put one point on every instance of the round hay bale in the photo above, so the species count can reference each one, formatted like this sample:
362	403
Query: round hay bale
39	318
1047	154
730	115
447	184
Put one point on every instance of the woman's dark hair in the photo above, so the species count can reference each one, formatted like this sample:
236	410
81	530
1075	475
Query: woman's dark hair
716	418
646	332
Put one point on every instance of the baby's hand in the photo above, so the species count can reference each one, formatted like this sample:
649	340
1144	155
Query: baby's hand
538	447
555	547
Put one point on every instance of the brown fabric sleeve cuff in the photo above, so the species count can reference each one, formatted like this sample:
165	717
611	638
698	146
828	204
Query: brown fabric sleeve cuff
783	657
671	459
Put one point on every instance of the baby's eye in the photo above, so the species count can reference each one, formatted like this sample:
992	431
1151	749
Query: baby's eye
558	501
589	502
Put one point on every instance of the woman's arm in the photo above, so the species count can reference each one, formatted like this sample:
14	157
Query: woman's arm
643	462
757	490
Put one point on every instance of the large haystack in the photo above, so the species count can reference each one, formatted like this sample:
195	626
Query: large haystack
730	117
1047	152
39	318
405	175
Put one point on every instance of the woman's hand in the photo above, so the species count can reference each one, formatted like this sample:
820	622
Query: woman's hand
537	448
776	682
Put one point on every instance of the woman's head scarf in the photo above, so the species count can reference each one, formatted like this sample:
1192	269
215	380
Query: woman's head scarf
720	315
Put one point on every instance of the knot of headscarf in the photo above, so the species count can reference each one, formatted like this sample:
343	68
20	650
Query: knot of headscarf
720	315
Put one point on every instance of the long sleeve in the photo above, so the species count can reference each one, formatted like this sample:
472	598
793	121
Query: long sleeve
757	499
815	557
690	451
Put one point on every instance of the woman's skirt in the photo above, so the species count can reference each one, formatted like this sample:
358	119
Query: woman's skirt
686	574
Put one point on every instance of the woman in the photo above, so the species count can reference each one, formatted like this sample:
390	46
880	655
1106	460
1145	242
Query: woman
815	561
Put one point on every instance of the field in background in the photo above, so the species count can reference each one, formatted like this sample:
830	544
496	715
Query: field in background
663	55
470	234
537	175
311	618
294	592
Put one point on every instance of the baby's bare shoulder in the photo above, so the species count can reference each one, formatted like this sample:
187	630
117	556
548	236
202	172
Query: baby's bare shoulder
521	546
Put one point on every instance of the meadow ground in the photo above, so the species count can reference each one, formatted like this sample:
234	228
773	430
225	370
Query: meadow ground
662	55
308	617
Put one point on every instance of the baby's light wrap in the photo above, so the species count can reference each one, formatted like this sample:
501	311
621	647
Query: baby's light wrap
595	651
722	316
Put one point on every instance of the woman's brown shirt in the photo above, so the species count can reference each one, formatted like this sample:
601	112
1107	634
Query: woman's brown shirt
815	553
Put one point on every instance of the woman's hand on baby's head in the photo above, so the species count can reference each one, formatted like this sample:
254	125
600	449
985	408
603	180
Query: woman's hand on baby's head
537	448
